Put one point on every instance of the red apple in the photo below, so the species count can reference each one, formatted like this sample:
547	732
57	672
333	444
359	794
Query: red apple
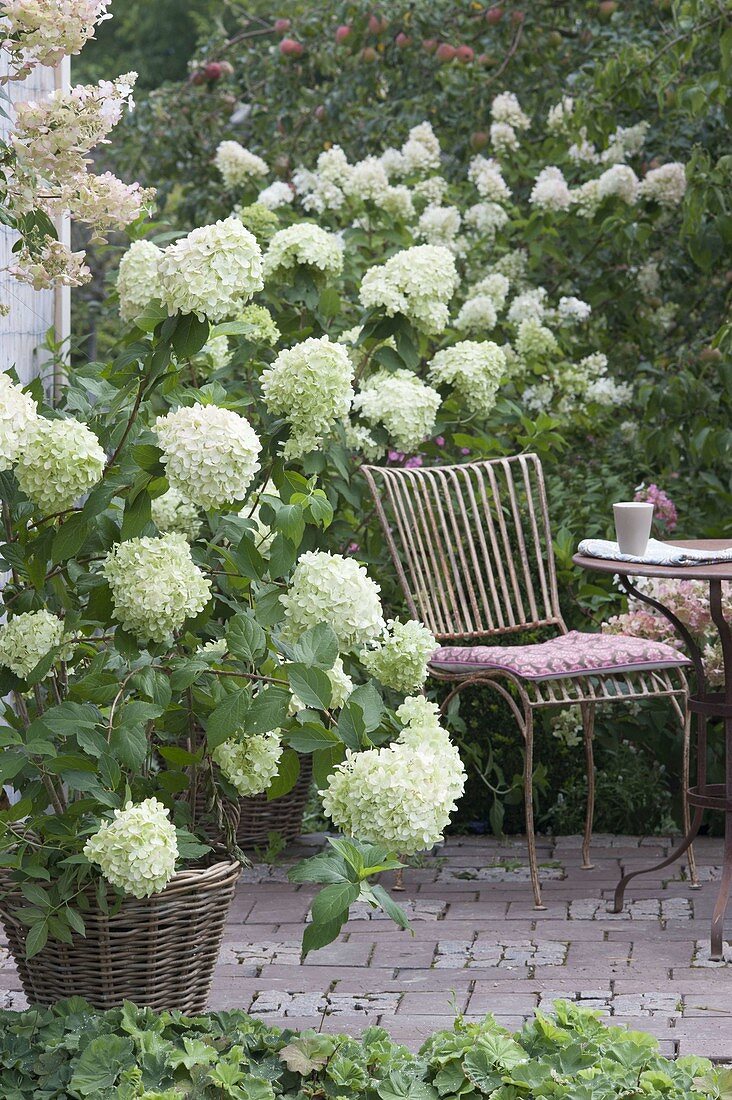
445	52
342	33
213	70
429	45
465	54
402	40
290	48
377	24
478	140
606	8
517	17
368	53
282	25
198	77
494	15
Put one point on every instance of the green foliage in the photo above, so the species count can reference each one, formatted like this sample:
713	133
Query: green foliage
128	1053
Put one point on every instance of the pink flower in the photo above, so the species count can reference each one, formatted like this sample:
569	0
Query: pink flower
396	456
440	441
353	548
413	463
664	508
465	450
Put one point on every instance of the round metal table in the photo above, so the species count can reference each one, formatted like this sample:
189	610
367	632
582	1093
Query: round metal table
703	703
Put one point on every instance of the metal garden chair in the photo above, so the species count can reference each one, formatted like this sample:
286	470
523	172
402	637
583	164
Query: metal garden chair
472	548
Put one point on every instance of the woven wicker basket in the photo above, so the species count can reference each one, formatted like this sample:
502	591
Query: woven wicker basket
258	817
158	951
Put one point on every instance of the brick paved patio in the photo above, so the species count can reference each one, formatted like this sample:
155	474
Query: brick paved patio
479	946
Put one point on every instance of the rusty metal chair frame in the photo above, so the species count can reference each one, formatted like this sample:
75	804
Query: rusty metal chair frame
472	549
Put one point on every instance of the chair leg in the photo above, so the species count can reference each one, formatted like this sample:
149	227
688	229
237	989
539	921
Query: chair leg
588	729
685	715
528	732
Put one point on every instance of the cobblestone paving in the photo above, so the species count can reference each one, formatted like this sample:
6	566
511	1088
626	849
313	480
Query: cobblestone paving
477	946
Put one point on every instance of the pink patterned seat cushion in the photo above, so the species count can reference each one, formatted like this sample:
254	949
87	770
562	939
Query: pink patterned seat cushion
569	655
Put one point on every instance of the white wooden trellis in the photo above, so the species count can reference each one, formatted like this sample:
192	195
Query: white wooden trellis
32	312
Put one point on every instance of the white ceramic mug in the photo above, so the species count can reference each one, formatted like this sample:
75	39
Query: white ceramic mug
633	519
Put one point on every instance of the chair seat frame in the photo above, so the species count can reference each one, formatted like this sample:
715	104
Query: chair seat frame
458	528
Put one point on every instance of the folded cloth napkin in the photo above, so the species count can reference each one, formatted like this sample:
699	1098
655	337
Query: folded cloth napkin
657	553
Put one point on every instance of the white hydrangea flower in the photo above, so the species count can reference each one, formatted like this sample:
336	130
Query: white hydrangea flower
474	369
393	162
513	265
210	454
333	167
534	340
587	198
573	310
27	638
648	278
477	314
665	185
217	351
261	327
583	151
368	180
276	195
402	795
486	175
620	180
137	851
396	201
310	385
494	286
418	282
529	305
560	114
328	588
237	165
44	31
155	585
306	244
173	514
402	403
341	686
60	460
250	761
358	438
138	279
439	224
18	414
550	190
626	141
421	151
400	656
506	108
433	190
486	218
504	138
212	272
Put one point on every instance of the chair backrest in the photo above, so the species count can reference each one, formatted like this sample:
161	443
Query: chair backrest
471	544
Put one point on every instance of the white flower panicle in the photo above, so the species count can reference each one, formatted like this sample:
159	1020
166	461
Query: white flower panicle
59	461
528	306
665	185
306	244
486	218
361	440
41	32
402	795
216	351
155	585
587	198
573	310
486	175
261	327
619	181
405	406
400	656
367	180
494	286
417	282
138	280
278	194
328	588
250	761
504	138
626	141
477	314
237	165
172	514
433	190
535	341
27	638
396	201
138	850
212	272
439	225
550	190
507	109
474	369
310	385
18	414
560	114
420	153
210	454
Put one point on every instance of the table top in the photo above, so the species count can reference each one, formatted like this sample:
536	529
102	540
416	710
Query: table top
720	571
